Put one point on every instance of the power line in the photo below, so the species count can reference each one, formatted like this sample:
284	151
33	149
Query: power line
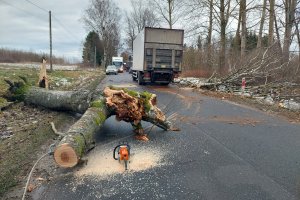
58	21
37	6
23	10
70	33
64	27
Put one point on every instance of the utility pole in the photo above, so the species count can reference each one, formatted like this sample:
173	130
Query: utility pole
50	32
95	58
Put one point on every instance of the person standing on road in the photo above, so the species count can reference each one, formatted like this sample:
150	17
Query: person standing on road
243	85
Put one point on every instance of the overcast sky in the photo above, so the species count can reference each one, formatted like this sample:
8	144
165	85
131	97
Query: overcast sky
24	26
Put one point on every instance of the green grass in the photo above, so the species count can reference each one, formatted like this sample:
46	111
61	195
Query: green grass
32	75
13	74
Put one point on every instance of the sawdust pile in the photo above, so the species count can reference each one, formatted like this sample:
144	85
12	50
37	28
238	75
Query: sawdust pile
102	165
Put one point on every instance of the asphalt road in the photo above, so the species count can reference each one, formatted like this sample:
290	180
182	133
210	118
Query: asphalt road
223	151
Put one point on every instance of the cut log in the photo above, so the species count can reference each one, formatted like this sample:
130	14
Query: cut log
75	101
80	137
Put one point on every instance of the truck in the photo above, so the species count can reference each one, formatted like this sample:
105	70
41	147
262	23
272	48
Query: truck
118	62
157	55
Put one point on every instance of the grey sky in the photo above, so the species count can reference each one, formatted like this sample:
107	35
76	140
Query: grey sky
23	26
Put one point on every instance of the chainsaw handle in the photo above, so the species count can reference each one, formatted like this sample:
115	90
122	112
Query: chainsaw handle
114	153
118	146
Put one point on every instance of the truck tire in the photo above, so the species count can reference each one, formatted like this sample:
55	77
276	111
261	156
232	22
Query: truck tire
133	78
134	75
165	84
140	79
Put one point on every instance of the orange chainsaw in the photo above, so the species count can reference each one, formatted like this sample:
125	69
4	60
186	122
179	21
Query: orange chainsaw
123	151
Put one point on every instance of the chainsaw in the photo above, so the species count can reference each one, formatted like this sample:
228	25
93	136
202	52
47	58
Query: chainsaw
123	151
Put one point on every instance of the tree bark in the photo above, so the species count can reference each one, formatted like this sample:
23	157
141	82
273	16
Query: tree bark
298	41
237	38
223	24
261	26
80	137
271	23
244	29
290	7
209	35
75	101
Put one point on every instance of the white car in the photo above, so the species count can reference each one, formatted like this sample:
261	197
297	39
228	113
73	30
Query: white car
111	69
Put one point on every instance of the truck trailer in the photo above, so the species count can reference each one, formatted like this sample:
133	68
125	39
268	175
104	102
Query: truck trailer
157	55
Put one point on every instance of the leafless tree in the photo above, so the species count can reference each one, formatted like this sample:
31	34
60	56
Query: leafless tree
243	6
224	10
142	15
261	25
103	17
289	6
271	22
169	10
209	34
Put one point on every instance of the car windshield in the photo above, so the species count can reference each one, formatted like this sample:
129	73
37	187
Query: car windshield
111	67
118	64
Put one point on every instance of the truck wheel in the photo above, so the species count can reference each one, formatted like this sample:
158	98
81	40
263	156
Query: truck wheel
140	79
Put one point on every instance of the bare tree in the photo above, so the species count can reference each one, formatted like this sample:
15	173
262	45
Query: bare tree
243	6
297	32
169	10
130	31
261	25
209	34
224	11
271	22
237	38
290	6
103	17
141	16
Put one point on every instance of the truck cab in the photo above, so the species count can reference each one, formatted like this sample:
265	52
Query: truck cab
118	62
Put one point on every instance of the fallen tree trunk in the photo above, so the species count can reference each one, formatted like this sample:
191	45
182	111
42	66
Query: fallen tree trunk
75	101
129	106
80	137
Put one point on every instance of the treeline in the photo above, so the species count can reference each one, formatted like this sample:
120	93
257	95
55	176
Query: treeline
256	39
197	62
17	56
